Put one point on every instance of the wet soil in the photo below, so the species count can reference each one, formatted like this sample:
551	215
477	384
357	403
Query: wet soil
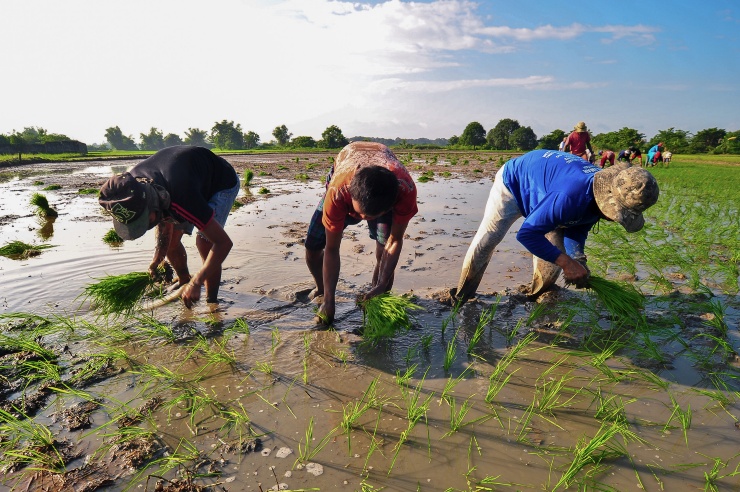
249	394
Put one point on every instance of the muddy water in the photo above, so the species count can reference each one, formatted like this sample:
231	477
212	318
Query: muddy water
286	373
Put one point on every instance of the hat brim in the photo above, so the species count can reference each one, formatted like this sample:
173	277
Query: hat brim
606	201
134	229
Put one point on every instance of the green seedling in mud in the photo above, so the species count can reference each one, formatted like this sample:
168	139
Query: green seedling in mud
53	187
592	452
452	316
611	408
712	477
385	315
410	355
118	294
264	367
39	370
215	353
112	237
340	354
236	420
248	177
239	327
88	191
26	443
152	328
306	452
457	416
683	416
450	385
275	338
236	205
20	250
263	191
302	177
194	401
352	411
486	316
42	205
450	354
38	183
426	342
622	300
22	344
416	408
402	379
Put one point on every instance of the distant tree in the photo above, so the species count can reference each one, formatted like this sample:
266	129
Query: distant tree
154	140
4	140
706	140
226	135
303	142
332	138
453	140
118	140
552	140
198	137
677	141
251	140
730	144
172	139
474	135
54	137
621	139
18	142
523	138
282	135
33	135
498	137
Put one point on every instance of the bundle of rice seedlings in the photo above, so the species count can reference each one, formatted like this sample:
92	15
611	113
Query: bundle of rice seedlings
88	191
385	315
52	187
248	175
42	204
112	237
622	300
118	294
21	250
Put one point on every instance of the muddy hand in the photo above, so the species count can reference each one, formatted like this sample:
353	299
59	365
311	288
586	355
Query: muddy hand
325	314
190	295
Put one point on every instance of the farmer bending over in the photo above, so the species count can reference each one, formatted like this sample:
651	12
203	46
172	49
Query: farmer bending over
560	196
176	189
366	182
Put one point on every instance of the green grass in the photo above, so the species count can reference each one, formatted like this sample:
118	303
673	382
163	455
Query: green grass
385	315
20	250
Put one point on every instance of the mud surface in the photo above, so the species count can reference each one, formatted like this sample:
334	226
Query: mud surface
223	396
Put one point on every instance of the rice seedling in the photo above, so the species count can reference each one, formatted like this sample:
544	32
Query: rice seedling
118	294
264	367
52	187
610	409
352	411
42	205
247	177
452	316
450	385
275	338
402	379
385	315
38	183
28	345
426	342
340	355
485	318
712	477
21	250
26	442
683	416
264	191
236	205
112	237
450	354
152	328
622	300
239	327
88	191
307	451
416	408
457	416
302	177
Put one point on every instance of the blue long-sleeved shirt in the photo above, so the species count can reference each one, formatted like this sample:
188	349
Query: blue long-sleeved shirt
553	190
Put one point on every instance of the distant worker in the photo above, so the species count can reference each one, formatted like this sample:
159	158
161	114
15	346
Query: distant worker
606	155
560	197
667	156
579	142
636	154
367	182
177	189
561	145
624	155
654	154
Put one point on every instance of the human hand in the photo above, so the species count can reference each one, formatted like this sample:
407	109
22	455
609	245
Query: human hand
576	273
325	314
190	295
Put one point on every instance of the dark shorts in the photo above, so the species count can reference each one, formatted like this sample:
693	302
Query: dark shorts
379	228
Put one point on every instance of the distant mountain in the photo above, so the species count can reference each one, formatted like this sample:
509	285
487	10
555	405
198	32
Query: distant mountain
442	142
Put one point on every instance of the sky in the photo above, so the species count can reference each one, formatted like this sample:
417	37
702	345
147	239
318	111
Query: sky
388	68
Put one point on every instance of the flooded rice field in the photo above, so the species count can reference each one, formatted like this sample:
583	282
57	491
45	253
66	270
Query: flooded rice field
506	392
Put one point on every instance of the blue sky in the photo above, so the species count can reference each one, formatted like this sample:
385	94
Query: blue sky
379	68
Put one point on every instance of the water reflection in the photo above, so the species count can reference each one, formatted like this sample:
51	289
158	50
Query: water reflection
47	227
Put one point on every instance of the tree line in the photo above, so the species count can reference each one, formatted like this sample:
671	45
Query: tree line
224	135
508	134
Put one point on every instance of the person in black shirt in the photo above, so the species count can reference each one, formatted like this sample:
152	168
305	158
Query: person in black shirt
177	189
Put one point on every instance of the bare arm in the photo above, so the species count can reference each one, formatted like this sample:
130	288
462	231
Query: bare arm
163	236
331	274
221	246
389	260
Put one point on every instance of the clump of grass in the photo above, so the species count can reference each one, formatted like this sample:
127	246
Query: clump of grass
38	183
112	237
21	250
42	205
117	294
88	191
248	176
264	191
51	187
385	315
236	205
622	300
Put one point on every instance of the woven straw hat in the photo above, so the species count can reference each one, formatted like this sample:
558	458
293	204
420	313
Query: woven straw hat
622	193
580	127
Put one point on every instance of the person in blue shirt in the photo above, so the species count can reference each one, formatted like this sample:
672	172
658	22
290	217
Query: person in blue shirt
561	196
654	154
